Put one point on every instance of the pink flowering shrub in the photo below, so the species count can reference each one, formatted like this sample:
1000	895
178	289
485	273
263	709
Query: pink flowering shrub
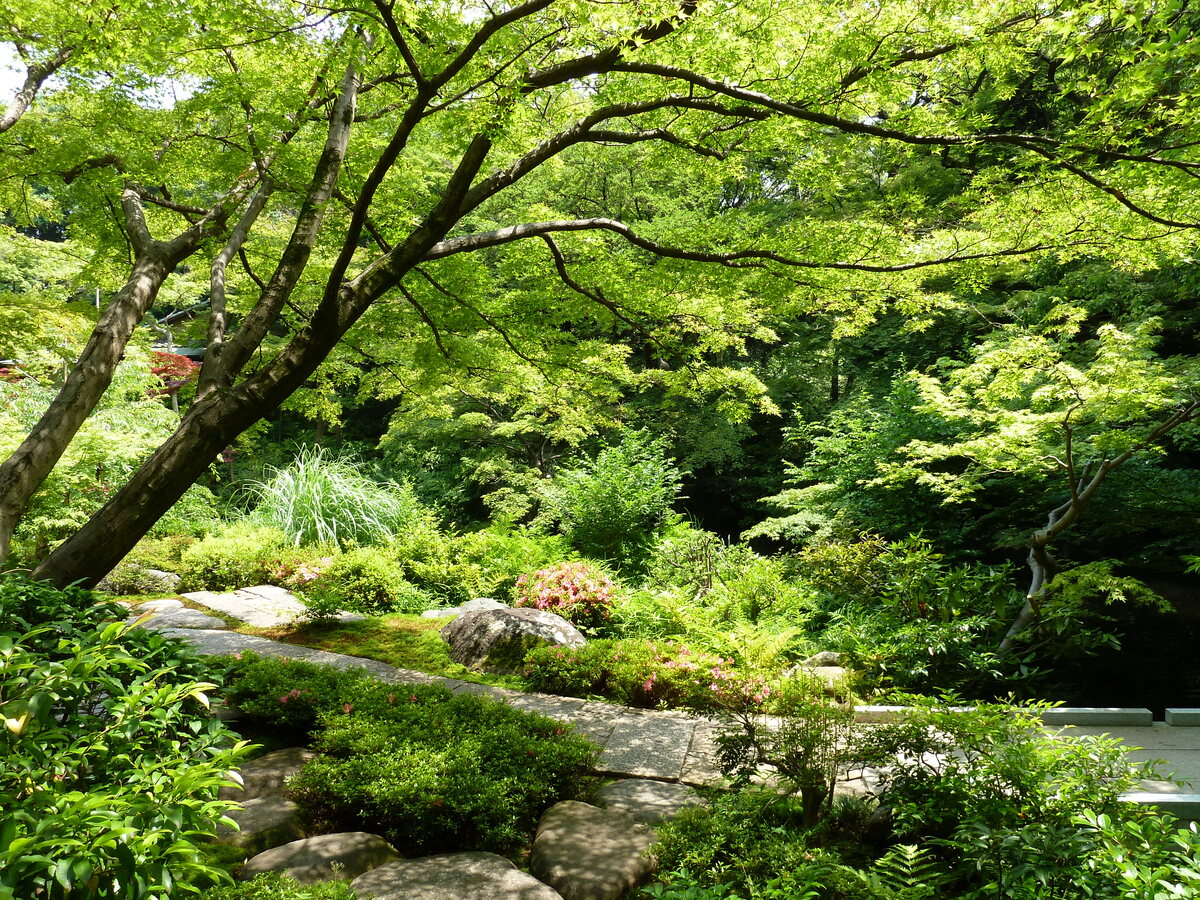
648	674
296	569
578	592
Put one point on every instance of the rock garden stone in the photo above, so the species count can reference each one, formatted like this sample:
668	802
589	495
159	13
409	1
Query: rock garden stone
452	876
263	823
177	618
159	605
587	853
496	640
463	608
645	801
268	774
323	858
824	658
130	578
262	606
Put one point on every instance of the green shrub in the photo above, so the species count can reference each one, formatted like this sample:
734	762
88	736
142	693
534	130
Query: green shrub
324	499
369	581
235	557
161	552
111	760
908	619
611	506
288	695
749	844
1005	800
487	563
580	593
427	769
645	674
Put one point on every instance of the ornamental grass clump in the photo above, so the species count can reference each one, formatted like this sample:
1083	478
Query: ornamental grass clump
326	499
580	593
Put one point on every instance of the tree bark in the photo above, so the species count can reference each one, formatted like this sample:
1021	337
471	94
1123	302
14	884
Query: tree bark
25	470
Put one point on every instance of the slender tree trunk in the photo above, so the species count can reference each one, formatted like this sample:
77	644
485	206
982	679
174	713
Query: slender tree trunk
25	470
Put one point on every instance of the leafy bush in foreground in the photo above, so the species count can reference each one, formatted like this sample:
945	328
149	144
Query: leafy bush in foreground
110	760
429	770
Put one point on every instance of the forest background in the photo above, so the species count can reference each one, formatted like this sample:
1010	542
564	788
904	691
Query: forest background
880	288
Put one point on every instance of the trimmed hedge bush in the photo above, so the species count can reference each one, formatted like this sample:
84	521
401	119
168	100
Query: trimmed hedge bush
429	770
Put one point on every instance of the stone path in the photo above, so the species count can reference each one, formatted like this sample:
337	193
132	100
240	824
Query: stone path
664	746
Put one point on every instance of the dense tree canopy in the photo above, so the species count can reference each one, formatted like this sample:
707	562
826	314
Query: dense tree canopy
532	219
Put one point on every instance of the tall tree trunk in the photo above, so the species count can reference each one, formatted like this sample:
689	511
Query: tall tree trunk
25	470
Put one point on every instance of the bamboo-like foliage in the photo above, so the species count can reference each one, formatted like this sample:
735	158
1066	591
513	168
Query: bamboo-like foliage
326	499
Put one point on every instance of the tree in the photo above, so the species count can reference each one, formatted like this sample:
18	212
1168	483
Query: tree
1054	406
428	137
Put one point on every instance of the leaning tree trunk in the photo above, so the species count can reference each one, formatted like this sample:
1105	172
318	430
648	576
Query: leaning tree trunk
25	470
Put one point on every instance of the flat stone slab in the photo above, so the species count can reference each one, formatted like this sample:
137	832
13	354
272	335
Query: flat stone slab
702	765
159	605
588	853
230	643
177	618
262	606
451	876
646	802
1097	715
647	747
267	775
263	823
1182	806
1185	717
323	858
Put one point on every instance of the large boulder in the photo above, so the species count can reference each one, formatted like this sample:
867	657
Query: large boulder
496	640
452	876
586	853
464	608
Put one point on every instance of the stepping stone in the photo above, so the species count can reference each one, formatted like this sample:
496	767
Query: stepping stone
263	823
268	774
702	765
263	606
323	858
451	876
647	746
587	853
178	618
646	802
159	605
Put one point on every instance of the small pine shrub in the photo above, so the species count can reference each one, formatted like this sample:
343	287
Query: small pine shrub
580	593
